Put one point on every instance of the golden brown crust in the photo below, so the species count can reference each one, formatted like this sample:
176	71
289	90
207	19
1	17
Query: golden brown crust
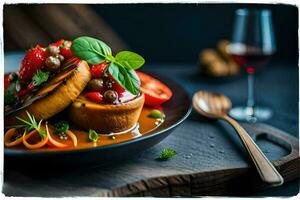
106	118
60	95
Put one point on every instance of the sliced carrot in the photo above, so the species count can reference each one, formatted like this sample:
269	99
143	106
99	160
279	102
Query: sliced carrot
47	140
37	145
52	142
73	137
7	138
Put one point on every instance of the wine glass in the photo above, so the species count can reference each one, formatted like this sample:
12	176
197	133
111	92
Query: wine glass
252	45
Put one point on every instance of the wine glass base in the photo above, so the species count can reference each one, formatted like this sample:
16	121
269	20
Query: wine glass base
245	114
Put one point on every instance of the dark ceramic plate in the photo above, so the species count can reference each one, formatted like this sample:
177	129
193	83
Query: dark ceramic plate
176	110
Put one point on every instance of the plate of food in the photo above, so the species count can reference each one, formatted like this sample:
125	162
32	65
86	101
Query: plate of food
74	103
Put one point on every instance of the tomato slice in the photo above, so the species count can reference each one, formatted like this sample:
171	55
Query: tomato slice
155	91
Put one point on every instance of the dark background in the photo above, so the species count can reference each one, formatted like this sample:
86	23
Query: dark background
177	32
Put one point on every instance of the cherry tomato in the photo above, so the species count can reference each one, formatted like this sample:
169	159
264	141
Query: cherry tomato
155	91
94	96
98	70
67	53
65	50
59	42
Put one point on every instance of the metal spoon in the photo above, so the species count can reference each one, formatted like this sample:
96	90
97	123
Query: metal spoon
216	106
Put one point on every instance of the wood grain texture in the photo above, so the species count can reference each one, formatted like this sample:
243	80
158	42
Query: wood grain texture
19	28
211	161
27	25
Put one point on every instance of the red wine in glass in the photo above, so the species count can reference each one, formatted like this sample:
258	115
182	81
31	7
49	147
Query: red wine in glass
251	58
252	45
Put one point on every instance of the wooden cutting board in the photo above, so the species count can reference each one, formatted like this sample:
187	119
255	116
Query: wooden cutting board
210	161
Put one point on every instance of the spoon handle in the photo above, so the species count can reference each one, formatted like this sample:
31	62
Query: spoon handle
266	170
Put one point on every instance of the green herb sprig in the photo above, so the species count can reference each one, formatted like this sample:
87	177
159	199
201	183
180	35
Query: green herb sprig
40	77
62	126
121	66
167	153
93	135
30	125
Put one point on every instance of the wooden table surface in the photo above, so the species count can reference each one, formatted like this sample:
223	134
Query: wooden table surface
215	148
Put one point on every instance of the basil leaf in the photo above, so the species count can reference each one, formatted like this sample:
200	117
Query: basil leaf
92	50
127	78
93	135
130	59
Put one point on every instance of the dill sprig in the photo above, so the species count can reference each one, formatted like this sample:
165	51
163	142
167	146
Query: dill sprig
40	77
30	125
167	153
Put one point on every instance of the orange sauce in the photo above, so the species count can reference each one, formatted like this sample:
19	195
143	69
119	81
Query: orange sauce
145	125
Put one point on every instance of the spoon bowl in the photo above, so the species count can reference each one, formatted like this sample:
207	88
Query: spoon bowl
211	105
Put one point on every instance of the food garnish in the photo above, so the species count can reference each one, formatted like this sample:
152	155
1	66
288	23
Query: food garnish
54	143
157	114
167	153
99	69
38	145
65	50
94	96
32	127
11	138
93	135
40	77
62	126
59	43
34	60
110	96
73	137
121	67
53	63
156	93
96	84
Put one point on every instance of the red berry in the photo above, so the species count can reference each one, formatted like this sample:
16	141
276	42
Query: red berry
6	81
98	70
34	59
94	96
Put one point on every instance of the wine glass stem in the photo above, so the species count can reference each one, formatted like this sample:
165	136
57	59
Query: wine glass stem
250	99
